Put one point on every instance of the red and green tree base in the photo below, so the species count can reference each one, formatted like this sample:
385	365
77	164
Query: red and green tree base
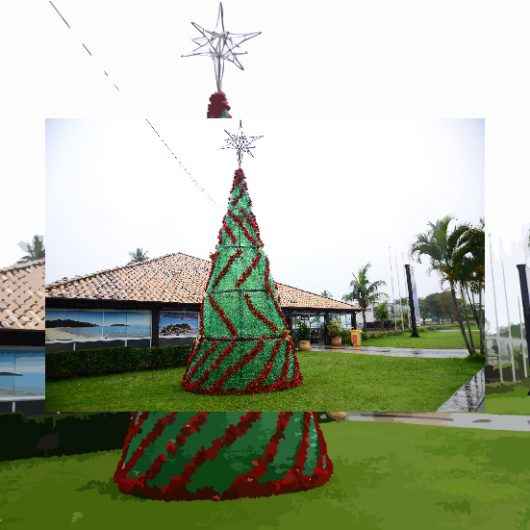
222	455
244	345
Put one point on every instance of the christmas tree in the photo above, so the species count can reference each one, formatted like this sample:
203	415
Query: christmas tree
222	455
244	344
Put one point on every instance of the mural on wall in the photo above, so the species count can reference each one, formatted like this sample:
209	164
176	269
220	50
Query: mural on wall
70	325
178	324
21	373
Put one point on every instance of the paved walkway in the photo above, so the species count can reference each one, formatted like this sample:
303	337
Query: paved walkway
497	422
404	352
469	397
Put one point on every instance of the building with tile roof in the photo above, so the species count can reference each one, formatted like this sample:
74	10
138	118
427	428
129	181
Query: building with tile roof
157	302
22	358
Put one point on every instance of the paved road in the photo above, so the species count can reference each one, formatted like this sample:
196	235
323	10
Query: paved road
469	420
406	352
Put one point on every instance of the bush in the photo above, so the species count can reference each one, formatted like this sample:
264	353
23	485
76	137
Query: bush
55	435
378	334
62	365
302	331
335	328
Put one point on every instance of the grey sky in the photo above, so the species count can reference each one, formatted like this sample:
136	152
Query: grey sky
22	176
329	195
507	213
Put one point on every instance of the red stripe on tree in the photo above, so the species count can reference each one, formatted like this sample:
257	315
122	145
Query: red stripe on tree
256	383
230	371
157	430
190	373
191	427
247	272
244	229
214	366
231	434
222	315
246	480
134	429
226	268
259	315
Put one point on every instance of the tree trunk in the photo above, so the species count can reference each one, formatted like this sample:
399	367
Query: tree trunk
482	324
459	318
364	318
478	315
468	325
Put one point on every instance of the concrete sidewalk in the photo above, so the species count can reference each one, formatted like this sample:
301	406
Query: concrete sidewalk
496	422
404	352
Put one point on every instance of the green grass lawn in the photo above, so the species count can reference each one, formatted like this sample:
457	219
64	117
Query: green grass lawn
387	477
508	398
449	339
332	381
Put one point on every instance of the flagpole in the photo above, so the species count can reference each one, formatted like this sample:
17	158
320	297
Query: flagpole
510	337
393	291
499	356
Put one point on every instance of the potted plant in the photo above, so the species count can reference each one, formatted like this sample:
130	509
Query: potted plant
335	332
303	334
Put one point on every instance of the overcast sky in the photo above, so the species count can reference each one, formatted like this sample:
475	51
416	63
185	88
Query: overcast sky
22	175
507	213
329	196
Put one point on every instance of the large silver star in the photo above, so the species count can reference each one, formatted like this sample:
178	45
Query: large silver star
220	45
240	142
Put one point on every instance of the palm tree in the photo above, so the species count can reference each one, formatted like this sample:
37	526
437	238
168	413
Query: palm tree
138	255
326	293
365	292
449	252
468	250
33	250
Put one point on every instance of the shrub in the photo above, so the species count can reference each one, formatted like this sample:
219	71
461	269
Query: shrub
302	331
65	434
62	365
335	328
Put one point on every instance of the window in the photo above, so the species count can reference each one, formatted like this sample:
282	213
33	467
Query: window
175	326
21	373
89	328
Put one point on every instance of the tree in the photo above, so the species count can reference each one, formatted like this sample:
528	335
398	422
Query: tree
381	312
365	292
468	251
33	250
448	249
222	455
243	347
244	344
138	256
438	307
326	293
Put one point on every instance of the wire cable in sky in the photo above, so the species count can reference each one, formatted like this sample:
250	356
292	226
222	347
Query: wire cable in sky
148	122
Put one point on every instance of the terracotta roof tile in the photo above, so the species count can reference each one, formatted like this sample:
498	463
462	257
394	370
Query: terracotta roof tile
172	278
22	296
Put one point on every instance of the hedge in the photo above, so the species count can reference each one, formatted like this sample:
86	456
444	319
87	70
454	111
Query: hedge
64	434
62	365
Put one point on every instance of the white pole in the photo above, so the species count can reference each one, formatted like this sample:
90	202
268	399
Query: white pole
510	340
409	316
523	356
393	291
499	356
399	294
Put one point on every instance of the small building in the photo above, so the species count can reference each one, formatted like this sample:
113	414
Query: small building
22	365
157	303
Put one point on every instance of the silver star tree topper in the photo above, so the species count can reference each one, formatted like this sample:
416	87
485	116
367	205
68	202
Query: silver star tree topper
241	143
220	45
